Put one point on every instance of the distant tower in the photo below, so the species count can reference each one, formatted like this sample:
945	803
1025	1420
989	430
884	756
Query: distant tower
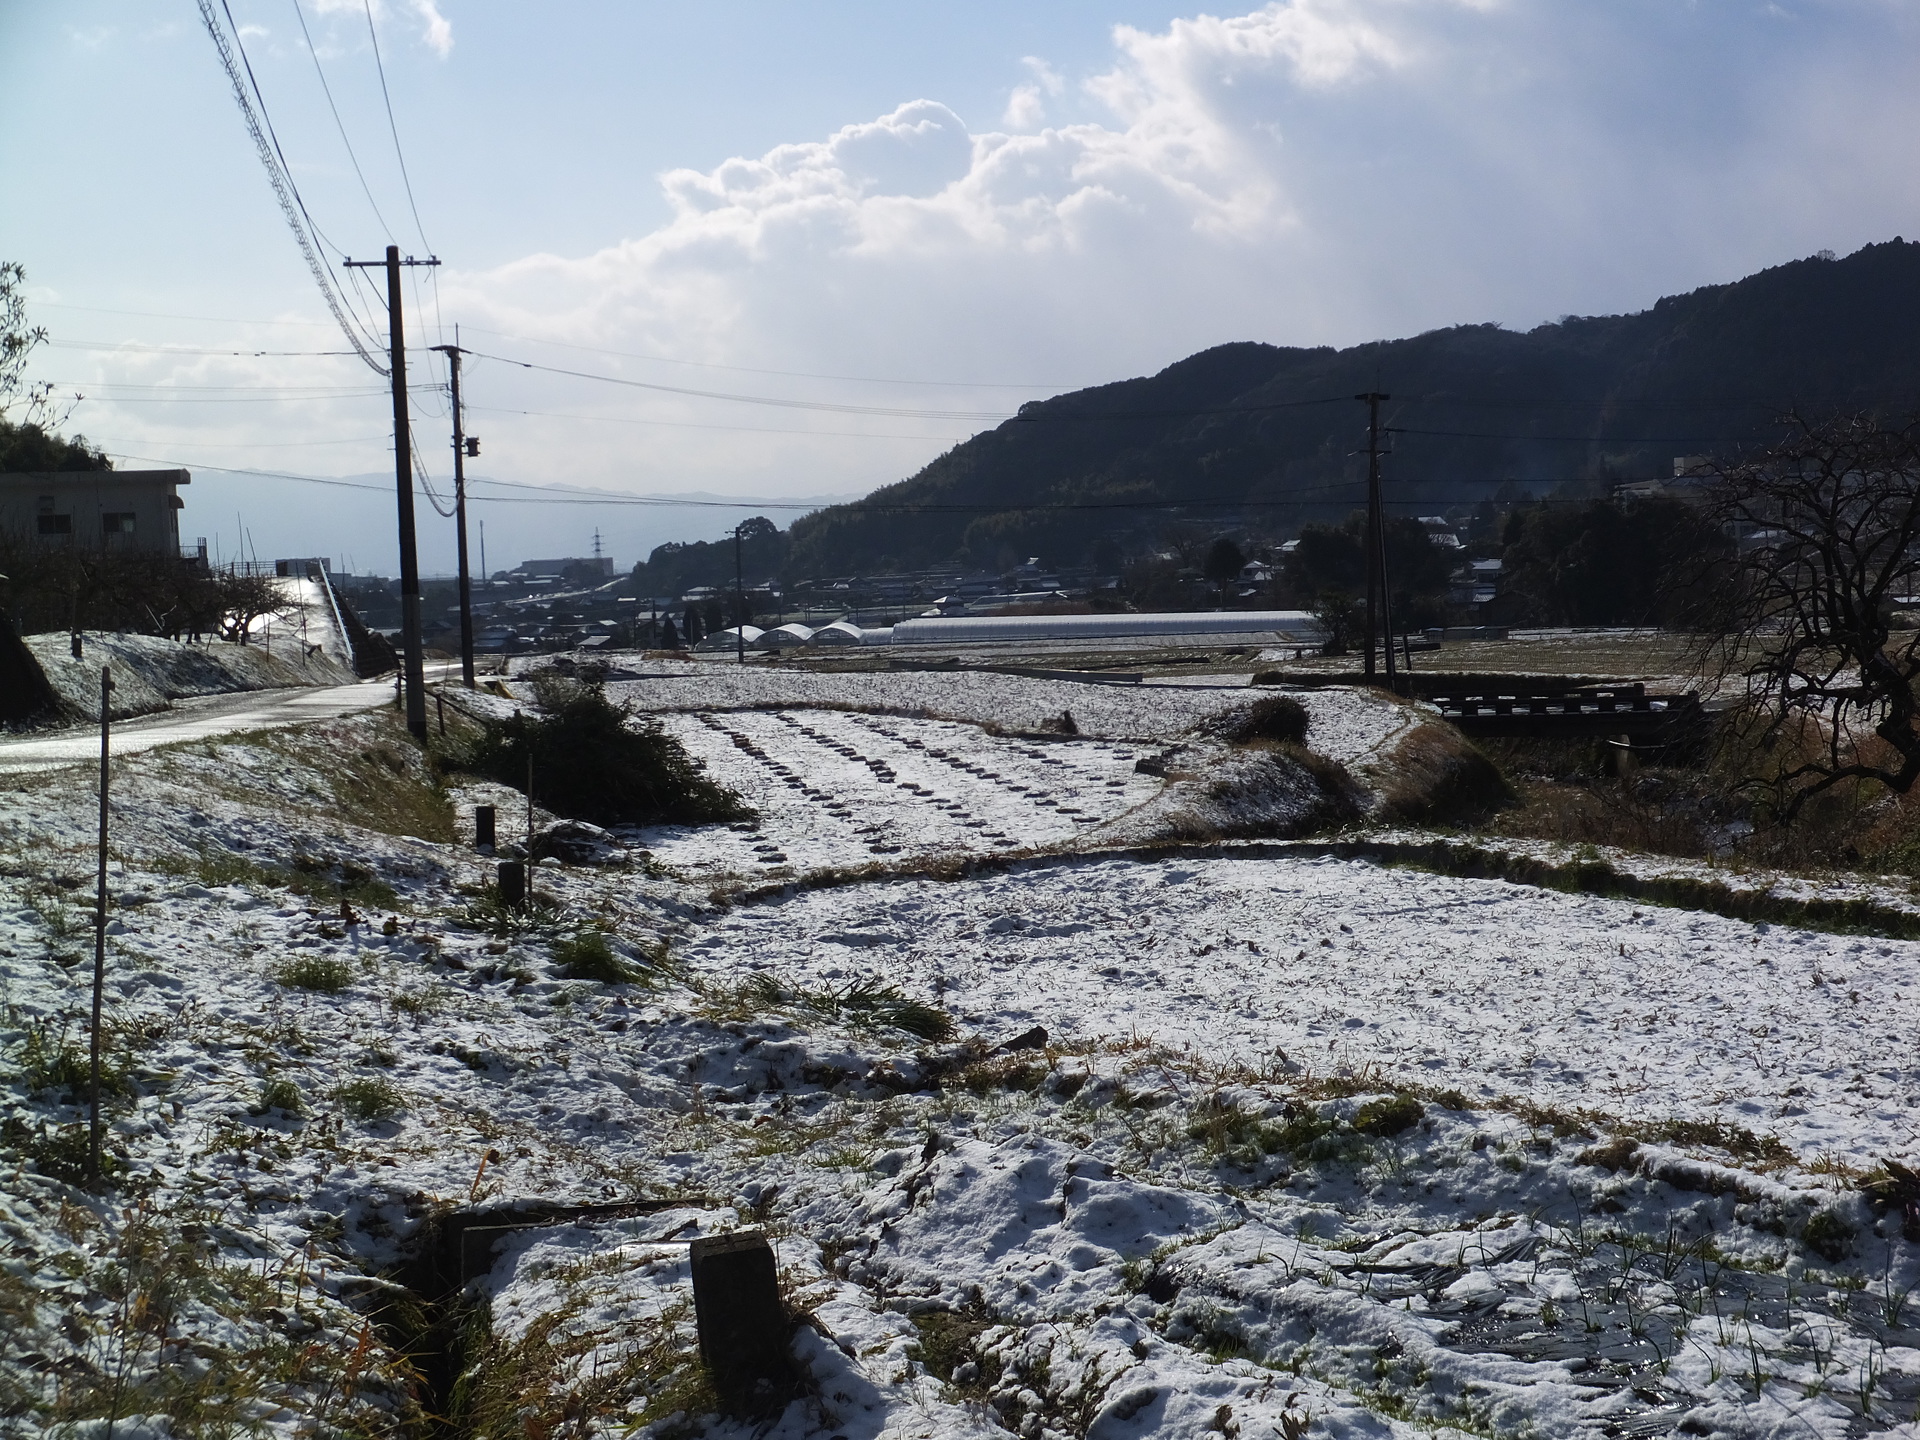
599	565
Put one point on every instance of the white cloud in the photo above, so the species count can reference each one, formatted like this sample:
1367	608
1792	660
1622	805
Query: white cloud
1315	171
1027	105
436	31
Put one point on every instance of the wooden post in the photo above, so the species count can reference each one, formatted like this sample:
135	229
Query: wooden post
483	821
513	883
744	1329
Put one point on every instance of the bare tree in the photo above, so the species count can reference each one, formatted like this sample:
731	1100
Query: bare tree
18	340
1826	525
245	599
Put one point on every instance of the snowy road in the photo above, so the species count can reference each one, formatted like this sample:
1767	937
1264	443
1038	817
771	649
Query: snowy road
201	718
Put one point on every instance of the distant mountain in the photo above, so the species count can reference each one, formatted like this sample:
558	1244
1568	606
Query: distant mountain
1269	436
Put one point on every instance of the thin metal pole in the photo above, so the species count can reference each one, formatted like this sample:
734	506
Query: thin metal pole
453	354
1386	607
1376	568
99	936
739	601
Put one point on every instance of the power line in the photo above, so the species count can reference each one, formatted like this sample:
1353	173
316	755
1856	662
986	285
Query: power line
338	124
699	425
790	374
399	154
278	176
550	495
823	405
138	347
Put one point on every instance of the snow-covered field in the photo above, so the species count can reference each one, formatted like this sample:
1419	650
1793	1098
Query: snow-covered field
1306	1148
833	787
1490	989
1347	724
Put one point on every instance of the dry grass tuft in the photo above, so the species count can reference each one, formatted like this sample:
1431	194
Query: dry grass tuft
1438	777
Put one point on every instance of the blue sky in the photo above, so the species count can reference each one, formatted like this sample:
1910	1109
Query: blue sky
920	214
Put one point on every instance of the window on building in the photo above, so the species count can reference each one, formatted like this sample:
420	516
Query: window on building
116	522
56	524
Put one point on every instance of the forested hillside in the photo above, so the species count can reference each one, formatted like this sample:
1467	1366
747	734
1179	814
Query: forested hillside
1269	435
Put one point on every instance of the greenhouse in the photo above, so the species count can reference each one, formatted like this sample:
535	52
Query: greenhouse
729	639
840	632
785	637
1218	627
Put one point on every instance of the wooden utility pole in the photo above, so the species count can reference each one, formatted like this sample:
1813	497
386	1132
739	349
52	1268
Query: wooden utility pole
413	665
739	601
1376	540
99	939
463	446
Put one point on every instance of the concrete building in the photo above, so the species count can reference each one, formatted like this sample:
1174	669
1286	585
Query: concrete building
99	509
583	565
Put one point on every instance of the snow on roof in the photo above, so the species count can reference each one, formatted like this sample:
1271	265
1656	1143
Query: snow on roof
838	633
785	637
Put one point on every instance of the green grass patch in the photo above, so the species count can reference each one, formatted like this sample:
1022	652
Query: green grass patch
320	973
369	1098
1388	1115
282	1095
589	955
866	1004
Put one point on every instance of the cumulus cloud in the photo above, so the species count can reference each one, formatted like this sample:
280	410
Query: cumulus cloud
436	31
1027	105
1314	171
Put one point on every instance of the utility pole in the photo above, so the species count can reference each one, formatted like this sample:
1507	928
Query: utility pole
739	601
1376	538
463	446
413	665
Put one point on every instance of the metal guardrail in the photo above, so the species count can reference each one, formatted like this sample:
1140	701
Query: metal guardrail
320	577
1597	711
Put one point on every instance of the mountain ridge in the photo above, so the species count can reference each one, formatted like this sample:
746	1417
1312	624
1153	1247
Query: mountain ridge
1253	434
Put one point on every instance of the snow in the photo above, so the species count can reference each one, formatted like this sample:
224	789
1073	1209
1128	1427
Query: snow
1564	1001
830	786
150	670
1345	721
1308	1147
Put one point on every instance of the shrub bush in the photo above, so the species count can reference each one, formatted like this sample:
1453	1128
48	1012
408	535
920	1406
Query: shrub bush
592	761
1273	717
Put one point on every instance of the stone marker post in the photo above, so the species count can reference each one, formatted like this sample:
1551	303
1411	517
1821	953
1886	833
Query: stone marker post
483	820
744	1329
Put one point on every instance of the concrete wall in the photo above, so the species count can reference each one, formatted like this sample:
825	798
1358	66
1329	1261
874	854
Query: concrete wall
74	508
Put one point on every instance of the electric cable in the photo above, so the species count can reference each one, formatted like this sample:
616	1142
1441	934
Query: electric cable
557	496
754	399
339	124
790	374
285	191
399	154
